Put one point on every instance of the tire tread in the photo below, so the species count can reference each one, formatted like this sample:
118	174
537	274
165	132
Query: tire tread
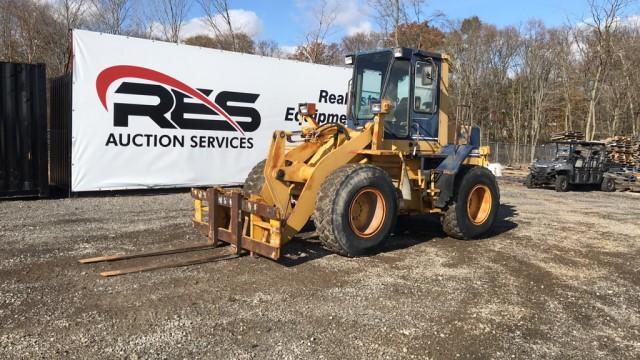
325	201
255	180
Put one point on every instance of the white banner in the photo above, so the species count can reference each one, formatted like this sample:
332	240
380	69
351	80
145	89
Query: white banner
149	114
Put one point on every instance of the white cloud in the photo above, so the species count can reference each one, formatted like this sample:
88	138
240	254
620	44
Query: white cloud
288	49
350	12
245	21
195	26
632	21
352	16
362	27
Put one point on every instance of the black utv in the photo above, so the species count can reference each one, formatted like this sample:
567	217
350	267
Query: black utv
575	163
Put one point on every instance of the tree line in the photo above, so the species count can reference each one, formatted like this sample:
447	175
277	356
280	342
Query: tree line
519	83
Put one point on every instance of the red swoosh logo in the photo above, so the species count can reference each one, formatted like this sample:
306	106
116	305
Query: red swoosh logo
114	73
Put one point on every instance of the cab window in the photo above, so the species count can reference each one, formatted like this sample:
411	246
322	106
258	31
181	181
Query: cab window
396	122
424	94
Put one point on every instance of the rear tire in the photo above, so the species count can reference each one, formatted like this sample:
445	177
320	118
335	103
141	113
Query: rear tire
475	206
608	185
562	183
356	209
528	182
255	180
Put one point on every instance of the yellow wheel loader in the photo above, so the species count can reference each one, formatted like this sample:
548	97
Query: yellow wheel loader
398	155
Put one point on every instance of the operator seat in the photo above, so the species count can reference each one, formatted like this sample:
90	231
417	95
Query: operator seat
399	124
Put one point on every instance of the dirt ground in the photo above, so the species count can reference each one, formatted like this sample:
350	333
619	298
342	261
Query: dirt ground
559	278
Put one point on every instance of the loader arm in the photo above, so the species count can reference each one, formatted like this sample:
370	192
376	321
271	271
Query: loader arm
263	223
342	155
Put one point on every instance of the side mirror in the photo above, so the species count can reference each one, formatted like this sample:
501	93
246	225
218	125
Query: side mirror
427	75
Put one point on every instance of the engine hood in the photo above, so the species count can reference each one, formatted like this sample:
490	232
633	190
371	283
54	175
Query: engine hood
547	163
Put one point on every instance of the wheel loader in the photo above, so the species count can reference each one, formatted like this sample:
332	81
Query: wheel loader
398	155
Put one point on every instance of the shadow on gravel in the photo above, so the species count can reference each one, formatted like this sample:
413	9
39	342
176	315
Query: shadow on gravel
410	231
504	223
305	247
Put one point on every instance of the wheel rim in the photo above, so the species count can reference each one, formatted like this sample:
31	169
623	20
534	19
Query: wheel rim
479	204
367	212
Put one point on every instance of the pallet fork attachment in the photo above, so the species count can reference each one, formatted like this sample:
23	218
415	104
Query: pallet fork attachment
207	258
224	254
226	219
247	224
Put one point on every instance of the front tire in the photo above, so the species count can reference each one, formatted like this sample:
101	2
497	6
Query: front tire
255	180
355	209
608	185
562	183
475	206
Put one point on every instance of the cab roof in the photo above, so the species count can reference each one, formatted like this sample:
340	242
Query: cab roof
406	52
577	142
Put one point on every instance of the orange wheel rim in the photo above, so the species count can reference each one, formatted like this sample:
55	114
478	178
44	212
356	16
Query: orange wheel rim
367	212
479	204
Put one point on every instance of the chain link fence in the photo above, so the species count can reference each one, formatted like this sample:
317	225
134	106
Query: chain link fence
519	154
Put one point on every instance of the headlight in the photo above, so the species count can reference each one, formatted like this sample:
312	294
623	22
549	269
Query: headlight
307	109
382	107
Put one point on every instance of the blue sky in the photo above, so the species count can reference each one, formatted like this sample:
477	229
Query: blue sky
285	21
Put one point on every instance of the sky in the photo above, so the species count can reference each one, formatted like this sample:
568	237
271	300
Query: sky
285	21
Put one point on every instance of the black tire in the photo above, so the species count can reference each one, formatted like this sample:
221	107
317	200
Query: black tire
339	200
562	183
528	182
608	185
456	220
255	180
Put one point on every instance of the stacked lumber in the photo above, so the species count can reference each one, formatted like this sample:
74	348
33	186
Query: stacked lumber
624	150
567	136
626	180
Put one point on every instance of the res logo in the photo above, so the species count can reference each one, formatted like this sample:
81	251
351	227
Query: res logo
172	94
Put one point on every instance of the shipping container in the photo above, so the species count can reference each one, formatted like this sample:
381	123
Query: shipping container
60	134
23	130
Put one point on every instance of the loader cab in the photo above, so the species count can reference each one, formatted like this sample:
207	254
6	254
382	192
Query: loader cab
409	80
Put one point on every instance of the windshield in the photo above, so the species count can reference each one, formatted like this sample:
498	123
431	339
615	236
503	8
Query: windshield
370	71
563	151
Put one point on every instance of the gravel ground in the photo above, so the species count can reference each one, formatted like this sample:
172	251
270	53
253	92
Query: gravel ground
558	278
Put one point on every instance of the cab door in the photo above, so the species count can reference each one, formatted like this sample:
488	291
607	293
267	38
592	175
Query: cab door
425	82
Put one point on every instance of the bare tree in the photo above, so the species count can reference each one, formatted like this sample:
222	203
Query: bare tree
361	42
268	48
605	17
111	16
398	18
7	30
537	71
218	16
391	13
72	12
314	48
31	33
171	15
